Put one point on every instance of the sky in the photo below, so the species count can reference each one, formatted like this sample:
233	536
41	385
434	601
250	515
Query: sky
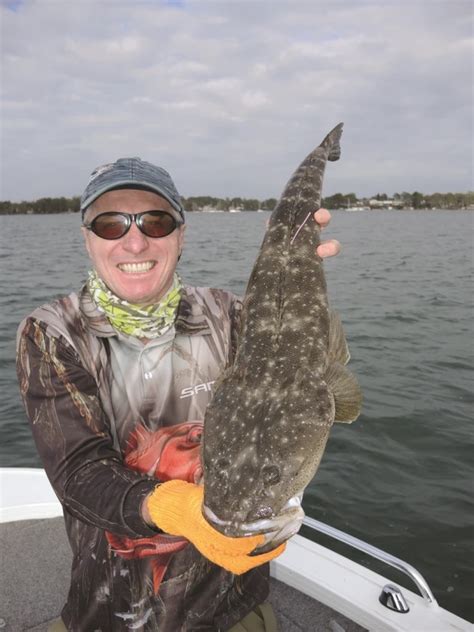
230	96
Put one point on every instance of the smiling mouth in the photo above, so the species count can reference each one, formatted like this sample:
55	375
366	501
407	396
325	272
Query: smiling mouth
136	268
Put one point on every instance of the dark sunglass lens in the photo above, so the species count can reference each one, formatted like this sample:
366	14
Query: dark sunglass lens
157	224
109	226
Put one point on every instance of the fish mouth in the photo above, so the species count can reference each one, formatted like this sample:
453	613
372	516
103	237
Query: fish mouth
275	530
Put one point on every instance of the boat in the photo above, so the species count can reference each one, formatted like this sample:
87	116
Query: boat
313	588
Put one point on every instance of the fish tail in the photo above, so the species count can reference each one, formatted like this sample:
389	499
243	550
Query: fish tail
332	143
302	193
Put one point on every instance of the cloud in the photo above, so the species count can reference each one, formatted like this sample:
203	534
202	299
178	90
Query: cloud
231	96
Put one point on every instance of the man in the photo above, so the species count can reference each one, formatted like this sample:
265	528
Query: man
115	381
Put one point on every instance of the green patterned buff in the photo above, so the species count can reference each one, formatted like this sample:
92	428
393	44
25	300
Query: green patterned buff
135	320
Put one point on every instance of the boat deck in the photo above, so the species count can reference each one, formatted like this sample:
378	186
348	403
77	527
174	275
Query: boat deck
35	560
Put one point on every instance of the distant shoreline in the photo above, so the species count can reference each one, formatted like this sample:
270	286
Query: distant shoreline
208	204
207	212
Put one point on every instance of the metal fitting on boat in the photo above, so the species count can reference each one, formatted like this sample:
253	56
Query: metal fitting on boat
391	597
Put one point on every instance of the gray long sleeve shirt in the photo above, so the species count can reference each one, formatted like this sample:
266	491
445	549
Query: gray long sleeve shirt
102	406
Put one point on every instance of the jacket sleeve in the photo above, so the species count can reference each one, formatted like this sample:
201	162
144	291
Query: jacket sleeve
72	435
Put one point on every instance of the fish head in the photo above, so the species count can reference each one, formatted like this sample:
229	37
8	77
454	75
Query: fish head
251	476
250	494
167	453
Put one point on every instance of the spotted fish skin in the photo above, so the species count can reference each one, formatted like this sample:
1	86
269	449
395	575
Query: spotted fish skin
266	427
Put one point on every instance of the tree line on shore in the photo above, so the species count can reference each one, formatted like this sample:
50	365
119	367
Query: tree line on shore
401	201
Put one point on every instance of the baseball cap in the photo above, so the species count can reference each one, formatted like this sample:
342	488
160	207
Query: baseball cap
132	173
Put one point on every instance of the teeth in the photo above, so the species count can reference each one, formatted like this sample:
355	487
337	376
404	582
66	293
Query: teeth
134	268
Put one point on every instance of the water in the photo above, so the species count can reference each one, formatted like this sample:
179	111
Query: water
401	476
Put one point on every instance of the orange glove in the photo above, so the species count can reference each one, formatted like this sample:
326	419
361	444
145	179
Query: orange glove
175	508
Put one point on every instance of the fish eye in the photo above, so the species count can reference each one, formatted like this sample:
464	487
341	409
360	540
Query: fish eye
194	435
270	474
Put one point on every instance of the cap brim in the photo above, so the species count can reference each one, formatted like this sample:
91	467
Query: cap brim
133	184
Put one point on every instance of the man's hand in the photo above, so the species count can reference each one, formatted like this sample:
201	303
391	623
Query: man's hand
175	508
328	247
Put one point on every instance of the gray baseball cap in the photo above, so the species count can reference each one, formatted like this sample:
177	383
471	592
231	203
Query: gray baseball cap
132	173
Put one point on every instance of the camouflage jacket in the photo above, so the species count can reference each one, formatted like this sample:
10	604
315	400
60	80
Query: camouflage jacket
109	415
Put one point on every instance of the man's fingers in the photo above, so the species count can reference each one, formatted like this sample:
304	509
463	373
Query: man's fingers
328	248
323	217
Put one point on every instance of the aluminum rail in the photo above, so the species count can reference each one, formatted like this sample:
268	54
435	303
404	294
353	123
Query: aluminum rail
373	551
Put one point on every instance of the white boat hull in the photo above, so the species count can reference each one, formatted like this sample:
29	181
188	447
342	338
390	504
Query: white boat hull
330	578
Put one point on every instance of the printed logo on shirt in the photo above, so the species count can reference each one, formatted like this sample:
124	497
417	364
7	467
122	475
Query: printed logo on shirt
189	391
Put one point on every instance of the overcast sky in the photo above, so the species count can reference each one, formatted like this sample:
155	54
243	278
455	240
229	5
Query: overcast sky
230	96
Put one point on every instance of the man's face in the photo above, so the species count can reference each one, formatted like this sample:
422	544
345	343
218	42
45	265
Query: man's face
113	259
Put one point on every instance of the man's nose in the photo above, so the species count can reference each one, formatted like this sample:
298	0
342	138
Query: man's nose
134	241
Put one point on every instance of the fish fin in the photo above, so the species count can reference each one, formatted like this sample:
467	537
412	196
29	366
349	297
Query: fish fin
346	392
332	142
338	351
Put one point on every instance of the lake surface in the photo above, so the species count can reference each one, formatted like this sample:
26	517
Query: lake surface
401	477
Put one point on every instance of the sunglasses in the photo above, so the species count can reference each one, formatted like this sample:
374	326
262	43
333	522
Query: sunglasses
114	225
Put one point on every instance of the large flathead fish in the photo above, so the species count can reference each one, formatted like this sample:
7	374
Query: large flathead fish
266	427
